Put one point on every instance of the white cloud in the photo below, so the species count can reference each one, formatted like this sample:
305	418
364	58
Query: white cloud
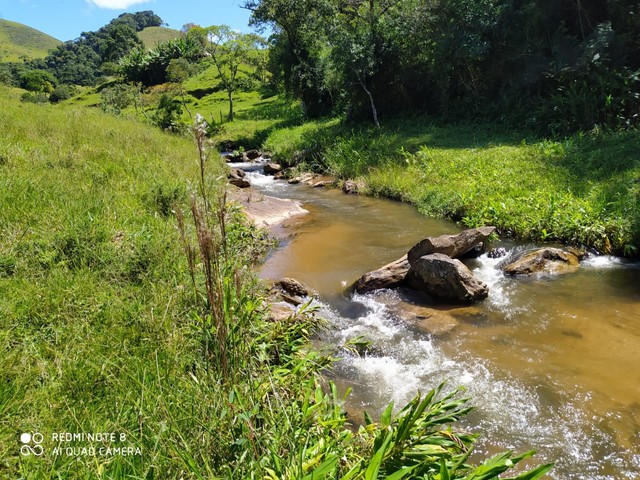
115	4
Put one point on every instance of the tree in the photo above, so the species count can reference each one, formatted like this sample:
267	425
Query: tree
359	43
229	50
74	63
178	71
39	81
299	48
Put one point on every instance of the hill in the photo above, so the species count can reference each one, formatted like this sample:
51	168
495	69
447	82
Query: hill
151	36
17	40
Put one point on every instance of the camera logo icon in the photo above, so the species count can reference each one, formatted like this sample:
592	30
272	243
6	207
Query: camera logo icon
31	444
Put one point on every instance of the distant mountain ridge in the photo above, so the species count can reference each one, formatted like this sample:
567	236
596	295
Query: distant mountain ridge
18	41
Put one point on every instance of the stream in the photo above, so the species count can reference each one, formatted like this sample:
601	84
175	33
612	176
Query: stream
552	364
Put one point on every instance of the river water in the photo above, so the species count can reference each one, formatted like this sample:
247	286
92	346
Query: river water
552	364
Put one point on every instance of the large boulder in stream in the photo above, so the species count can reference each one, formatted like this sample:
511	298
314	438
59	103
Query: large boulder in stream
549	261
445	278
454	246
391	275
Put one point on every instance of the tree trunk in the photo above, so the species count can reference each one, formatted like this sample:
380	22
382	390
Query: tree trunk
230	93
374	111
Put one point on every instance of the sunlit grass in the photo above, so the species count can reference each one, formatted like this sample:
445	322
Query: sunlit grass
582	190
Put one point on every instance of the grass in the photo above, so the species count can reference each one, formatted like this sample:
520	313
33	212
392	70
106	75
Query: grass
152	36
580	190
19	41
107	326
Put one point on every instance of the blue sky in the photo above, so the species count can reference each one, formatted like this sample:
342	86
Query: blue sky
66	19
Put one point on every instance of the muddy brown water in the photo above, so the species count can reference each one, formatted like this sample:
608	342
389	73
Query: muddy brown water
552	364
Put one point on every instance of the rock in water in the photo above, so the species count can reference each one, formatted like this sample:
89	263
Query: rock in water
237	177
291	290
453	246
446	278
391	275
350	187
551	261
252	154
272	168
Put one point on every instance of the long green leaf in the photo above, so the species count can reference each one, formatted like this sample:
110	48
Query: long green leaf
533	474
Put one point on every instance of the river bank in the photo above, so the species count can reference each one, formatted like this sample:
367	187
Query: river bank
583	190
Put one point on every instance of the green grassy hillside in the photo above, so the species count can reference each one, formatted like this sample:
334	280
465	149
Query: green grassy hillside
17	40
151	36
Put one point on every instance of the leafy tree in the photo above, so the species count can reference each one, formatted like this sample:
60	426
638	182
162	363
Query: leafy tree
229	50
117	97
359	44
39	81
299	53
178	71
150	68
74	63
167	115
117	40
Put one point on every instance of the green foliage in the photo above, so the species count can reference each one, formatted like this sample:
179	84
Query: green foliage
150	67
107	323
581	191
559	66
34	97
168	113
38	81
75	63
62	92
117	97
229	50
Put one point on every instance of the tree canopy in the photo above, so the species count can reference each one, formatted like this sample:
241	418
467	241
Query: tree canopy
562	64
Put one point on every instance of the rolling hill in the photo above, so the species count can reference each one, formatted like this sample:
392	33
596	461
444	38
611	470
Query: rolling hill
151	36
17	40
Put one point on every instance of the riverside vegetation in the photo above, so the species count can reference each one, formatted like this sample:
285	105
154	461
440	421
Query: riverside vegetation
127	300
107	326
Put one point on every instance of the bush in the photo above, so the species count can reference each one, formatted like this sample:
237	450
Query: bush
31	97
62	92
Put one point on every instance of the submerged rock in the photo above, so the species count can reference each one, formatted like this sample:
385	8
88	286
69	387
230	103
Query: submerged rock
550	261
428	320
453	246
497	252
235	157
391	275
445	278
